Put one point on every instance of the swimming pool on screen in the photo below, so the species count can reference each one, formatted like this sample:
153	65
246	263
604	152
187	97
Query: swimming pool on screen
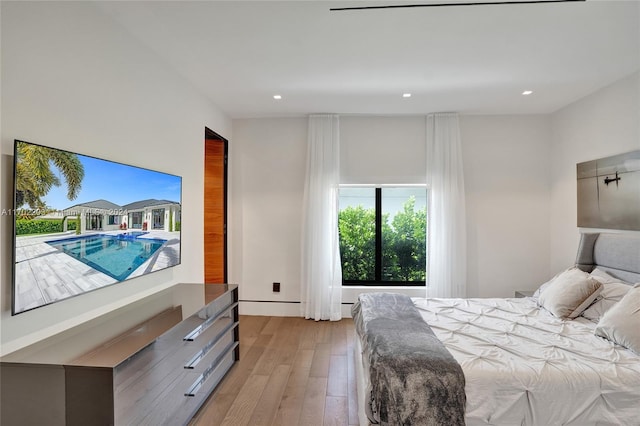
115	255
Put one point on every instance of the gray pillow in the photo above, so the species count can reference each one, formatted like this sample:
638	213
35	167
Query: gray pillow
621	323
569	293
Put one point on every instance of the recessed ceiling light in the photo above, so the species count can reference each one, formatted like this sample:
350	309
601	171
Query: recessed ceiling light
277	97
527	92
406	95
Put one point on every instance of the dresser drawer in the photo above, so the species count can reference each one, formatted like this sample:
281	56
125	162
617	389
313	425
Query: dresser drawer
155	368
169	380
182	398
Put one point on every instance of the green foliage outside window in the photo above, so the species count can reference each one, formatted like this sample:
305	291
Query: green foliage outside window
357	227
406	243
403	244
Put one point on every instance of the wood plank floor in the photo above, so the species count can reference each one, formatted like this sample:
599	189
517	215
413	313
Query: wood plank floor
291	371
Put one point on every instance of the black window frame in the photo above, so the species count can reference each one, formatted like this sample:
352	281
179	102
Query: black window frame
378	281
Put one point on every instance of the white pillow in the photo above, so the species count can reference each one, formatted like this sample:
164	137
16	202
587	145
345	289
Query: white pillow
605	278
536	294
569	293
621	323
612	292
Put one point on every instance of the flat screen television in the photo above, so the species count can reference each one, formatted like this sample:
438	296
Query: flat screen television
82	223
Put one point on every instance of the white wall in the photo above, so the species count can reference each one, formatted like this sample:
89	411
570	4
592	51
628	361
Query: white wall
378	150
267	168
74	79
604	123
506	173
506	166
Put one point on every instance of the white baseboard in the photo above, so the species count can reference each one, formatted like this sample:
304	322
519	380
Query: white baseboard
346	310
279	309
272	309
350	293
349	296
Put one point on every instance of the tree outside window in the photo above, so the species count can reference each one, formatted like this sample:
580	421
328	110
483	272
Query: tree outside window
383	235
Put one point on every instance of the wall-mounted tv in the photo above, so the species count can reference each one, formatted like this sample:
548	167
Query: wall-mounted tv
82	223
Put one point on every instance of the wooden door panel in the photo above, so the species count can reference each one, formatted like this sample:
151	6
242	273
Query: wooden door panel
214	211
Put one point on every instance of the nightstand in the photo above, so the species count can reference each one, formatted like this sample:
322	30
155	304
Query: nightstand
524	293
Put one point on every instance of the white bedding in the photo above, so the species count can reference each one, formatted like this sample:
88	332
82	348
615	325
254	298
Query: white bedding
524	366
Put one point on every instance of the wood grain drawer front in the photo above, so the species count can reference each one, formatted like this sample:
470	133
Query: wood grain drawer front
152	367
181	391
215	307
205	365
174	407
209	339
212	321
168	381
171	351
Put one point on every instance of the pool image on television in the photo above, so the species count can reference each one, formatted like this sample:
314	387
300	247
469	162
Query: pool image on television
83	223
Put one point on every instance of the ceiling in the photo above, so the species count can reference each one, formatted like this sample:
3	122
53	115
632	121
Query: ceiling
472	59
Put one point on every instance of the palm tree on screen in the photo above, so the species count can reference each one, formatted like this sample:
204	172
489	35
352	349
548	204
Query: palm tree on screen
34	176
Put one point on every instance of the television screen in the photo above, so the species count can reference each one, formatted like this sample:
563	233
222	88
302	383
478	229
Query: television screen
82	223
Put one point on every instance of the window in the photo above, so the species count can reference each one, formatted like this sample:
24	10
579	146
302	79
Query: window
158	218
383	235
135	220
114	219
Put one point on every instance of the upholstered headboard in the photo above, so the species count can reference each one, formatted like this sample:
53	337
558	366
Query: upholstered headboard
618	254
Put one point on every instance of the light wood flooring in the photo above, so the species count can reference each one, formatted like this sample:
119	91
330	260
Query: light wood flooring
291	371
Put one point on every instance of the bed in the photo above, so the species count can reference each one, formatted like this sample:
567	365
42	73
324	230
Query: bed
522	363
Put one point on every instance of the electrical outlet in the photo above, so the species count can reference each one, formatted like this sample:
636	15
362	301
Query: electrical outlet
276	287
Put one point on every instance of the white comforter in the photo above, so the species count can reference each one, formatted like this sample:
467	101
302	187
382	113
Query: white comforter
521	362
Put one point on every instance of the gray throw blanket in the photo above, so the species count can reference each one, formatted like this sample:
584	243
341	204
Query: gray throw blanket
414	378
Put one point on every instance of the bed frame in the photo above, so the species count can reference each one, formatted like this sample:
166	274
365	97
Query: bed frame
616	253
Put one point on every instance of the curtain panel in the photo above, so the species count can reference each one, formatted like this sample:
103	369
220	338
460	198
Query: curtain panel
446	236
321	267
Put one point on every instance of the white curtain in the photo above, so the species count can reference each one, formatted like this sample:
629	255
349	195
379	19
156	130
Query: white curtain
447	241
321	268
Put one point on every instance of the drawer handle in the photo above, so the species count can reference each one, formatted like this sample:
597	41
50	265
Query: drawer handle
206	348
205	375
202	327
